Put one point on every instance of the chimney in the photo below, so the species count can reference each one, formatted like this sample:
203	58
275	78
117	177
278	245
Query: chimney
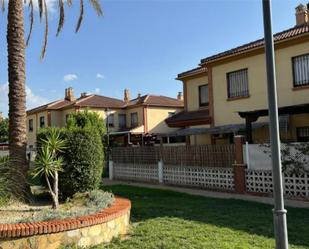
126	97
301	15
180	96
139	95
69	94
83	95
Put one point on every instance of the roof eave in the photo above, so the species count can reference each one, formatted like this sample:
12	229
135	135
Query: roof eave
205	61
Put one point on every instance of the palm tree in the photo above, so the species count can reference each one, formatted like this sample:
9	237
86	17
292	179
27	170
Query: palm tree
16	69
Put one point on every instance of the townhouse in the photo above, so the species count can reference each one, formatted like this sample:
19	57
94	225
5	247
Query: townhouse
227	93
128	121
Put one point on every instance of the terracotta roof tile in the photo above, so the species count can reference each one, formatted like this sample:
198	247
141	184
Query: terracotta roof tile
187	118
286	34
155	100
99	102
58	104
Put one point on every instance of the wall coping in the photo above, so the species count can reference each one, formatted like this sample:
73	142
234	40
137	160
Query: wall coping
18	230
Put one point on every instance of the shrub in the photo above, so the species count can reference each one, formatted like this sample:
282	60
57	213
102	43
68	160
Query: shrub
86	120
83	161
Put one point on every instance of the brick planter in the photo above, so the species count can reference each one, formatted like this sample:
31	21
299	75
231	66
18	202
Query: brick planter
84	231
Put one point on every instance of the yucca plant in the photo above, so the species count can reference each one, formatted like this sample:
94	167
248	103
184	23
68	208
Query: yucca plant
48	163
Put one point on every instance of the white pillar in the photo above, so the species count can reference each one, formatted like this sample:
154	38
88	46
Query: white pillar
111	170
160	171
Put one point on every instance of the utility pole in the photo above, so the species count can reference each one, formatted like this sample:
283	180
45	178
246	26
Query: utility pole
280	226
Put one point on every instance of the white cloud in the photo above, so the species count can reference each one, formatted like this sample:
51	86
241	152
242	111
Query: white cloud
97	90
32	99
69	77
100	76
51	5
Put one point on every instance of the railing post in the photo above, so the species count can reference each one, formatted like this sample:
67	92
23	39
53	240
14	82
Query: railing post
160	171
111	169
239	166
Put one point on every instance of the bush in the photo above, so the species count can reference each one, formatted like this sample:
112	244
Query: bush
83	161
86	120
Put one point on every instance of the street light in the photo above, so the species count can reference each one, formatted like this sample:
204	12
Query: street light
280	225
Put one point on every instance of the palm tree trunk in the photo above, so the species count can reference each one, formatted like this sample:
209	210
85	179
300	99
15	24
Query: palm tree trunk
17	91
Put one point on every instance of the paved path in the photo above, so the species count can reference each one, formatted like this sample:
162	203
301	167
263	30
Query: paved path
206	193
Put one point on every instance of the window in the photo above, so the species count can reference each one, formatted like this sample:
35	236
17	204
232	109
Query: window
67	118
171	114
110	120
237	84
122	118
30	125
203	95
134	119
42	122
301	70
302	134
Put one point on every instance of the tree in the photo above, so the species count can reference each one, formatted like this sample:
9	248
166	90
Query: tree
4	130
16	69
48	162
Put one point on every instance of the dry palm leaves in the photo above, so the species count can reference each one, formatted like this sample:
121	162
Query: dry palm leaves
43	14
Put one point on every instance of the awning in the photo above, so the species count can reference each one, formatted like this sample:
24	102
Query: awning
224	129
136	130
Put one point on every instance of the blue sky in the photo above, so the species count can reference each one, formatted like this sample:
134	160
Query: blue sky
141	45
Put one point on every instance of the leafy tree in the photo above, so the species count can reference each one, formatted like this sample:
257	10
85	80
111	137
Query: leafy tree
17	71
87	119
4	130
48	162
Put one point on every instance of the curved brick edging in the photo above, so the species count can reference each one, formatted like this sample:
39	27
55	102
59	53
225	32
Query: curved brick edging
10	231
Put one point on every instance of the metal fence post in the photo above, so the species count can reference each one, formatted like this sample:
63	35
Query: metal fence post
160	171
111	169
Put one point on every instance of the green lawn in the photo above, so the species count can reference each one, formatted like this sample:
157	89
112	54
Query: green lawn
165	219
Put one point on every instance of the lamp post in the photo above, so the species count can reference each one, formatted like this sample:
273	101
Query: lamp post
280	226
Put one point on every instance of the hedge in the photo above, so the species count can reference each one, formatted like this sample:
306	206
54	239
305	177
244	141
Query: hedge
83	161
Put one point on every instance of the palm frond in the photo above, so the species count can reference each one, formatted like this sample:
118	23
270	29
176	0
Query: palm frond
2	6
70	3
61	17
41	6
31	17
97	7
46	30
81	16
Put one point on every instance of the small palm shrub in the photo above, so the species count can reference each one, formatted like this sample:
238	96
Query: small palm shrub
48	162
83	161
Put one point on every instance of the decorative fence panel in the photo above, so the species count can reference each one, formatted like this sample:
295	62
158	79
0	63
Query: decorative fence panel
137	172
260	181
202	177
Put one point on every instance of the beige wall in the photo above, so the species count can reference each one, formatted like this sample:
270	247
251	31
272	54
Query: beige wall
200	139
156	119
225	112
31	136
193	91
